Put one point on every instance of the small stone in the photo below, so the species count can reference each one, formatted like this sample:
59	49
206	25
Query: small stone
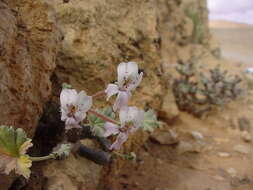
184	147
197	135
244	124
218	178
224	154
232	172
241	149
165	137
246	136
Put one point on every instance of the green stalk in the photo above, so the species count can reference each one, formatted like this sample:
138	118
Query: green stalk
105	118
50	156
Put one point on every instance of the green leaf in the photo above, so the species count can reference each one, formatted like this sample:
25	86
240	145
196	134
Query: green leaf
97	124
64	150
150	122
66	86
11	140
13	146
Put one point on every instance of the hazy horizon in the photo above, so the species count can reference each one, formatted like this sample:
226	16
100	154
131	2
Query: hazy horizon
234	10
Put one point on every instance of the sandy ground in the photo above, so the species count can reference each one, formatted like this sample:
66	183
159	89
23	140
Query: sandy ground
222	159
236	40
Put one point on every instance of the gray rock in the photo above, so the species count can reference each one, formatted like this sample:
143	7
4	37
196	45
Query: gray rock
244	124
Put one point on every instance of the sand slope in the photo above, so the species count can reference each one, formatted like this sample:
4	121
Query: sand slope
236	40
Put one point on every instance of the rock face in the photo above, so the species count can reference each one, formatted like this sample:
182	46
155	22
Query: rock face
29	42
99	34
28	48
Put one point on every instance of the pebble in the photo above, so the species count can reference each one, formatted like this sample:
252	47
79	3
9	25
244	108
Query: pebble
218	178
197	135
246	136
224	154
184	147
232	172
165	137
241	149
244	124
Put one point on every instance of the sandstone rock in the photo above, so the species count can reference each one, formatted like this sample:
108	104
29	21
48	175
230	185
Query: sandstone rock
232	172
71	174
184	147
29	43
197	135
100	34
246	136
224	154
241	149
165	137
218	178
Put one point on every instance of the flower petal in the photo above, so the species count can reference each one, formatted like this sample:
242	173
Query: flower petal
83	102
121	100
68	96
131	114
111	90
7	164
135	82
121	138
127	71
71	121
23	166
25	146
110	129
80	116
64	113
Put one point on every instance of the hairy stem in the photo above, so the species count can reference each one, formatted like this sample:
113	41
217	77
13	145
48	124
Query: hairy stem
37	159
105	118
99	94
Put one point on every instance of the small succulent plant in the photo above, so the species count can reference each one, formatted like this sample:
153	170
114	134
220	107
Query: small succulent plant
198	93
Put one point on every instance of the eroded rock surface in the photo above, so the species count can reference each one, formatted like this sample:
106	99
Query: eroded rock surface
29	41
100	34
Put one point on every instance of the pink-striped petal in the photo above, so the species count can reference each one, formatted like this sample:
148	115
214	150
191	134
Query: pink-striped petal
110	129
121	138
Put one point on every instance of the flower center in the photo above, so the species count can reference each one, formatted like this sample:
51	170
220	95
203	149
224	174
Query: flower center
127	82
72	111
126	127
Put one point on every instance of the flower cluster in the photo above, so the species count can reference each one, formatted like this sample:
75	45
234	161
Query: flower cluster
74	106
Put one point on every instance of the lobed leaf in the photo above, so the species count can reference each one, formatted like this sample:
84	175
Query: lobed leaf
150	122
97	124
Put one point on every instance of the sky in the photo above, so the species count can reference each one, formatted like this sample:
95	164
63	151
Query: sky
232	10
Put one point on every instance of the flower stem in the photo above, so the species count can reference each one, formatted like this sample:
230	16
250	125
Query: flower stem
105	118
98	94
50	156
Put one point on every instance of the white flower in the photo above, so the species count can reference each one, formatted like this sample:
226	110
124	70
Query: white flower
128	80
74	107
130	120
